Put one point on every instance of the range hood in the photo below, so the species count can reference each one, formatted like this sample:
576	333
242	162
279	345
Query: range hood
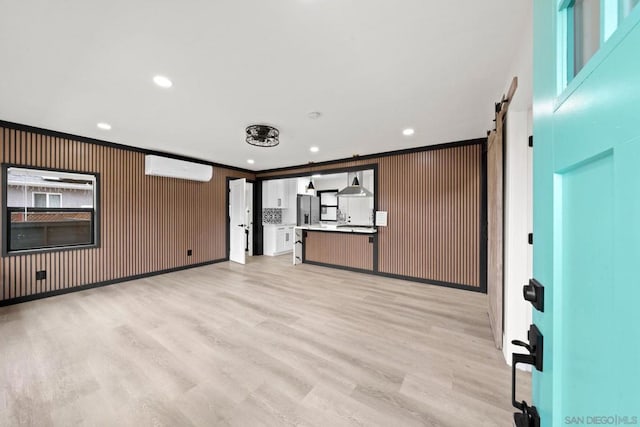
355	190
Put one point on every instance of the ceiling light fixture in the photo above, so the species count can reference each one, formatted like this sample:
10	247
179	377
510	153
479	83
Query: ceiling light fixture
408	132
163	81
314	149
251	161
263	136
310	186
104	126
314	115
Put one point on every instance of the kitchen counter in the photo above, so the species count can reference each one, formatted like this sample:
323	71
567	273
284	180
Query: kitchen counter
341	229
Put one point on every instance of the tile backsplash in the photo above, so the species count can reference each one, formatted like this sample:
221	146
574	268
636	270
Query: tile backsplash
272	216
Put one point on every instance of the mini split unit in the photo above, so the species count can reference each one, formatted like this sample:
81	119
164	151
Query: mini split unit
173	168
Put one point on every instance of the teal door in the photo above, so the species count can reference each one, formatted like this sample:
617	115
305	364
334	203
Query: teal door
587	210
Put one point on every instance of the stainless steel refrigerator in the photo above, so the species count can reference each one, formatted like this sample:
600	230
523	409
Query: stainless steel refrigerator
308	210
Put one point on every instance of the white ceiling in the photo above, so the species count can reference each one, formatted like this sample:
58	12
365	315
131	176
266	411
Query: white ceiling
372	67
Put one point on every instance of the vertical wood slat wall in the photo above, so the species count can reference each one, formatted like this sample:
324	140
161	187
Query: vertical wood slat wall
343	249
147	224
434	204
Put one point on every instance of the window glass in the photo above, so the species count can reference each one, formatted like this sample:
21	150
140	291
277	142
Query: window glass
625	7
586	31
40	200
49	209
54	201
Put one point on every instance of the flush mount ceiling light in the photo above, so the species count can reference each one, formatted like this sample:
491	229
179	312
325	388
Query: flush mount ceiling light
314	115
314	149
163	81
408	132
104	126
263	136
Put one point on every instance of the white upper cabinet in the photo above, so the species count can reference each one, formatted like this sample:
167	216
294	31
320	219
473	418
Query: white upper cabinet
275	194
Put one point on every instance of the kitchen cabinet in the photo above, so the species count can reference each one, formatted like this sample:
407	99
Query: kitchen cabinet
278	239
276	193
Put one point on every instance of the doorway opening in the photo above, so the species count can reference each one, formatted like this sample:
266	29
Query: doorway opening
240	219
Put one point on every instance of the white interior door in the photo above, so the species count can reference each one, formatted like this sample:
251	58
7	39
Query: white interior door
238	224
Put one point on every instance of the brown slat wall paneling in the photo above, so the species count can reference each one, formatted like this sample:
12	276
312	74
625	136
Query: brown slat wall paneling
146	223
341	249
434	204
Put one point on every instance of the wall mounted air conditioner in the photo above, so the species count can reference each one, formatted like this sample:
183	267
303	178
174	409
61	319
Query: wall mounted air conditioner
172	168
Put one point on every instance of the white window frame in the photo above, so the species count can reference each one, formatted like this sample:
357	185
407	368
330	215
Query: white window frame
48	195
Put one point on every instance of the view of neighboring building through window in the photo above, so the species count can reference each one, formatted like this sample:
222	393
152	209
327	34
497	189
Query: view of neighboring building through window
49	209
47	200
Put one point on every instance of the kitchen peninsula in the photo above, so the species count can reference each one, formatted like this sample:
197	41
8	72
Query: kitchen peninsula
333	214
336	246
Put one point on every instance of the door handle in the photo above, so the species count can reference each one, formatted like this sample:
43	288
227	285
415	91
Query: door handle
528	417
240	225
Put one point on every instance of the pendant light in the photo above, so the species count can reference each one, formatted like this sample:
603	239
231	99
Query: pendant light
310	186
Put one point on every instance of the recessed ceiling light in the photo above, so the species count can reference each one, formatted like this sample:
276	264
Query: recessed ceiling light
251	161
408	132
314	115
163	81
104	126
314	149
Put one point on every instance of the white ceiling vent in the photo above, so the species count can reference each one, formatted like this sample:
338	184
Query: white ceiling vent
172	168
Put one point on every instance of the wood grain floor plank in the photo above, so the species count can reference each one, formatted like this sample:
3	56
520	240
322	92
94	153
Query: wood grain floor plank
266	343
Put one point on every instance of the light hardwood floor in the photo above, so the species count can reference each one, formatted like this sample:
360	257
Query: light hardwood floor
261	344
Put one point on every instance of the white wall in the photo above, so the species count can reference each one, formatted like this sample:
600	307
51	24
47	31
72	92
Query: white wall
331	182
518	224
518	195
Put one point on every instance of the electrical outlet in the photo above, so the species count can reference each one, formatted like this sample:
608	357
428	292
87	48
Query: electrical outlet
189	252
41	275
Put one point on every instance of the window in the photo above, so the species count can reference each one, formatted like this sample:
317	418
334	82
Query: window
48	209
589	24
625	7
584	16
328	205
47	200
